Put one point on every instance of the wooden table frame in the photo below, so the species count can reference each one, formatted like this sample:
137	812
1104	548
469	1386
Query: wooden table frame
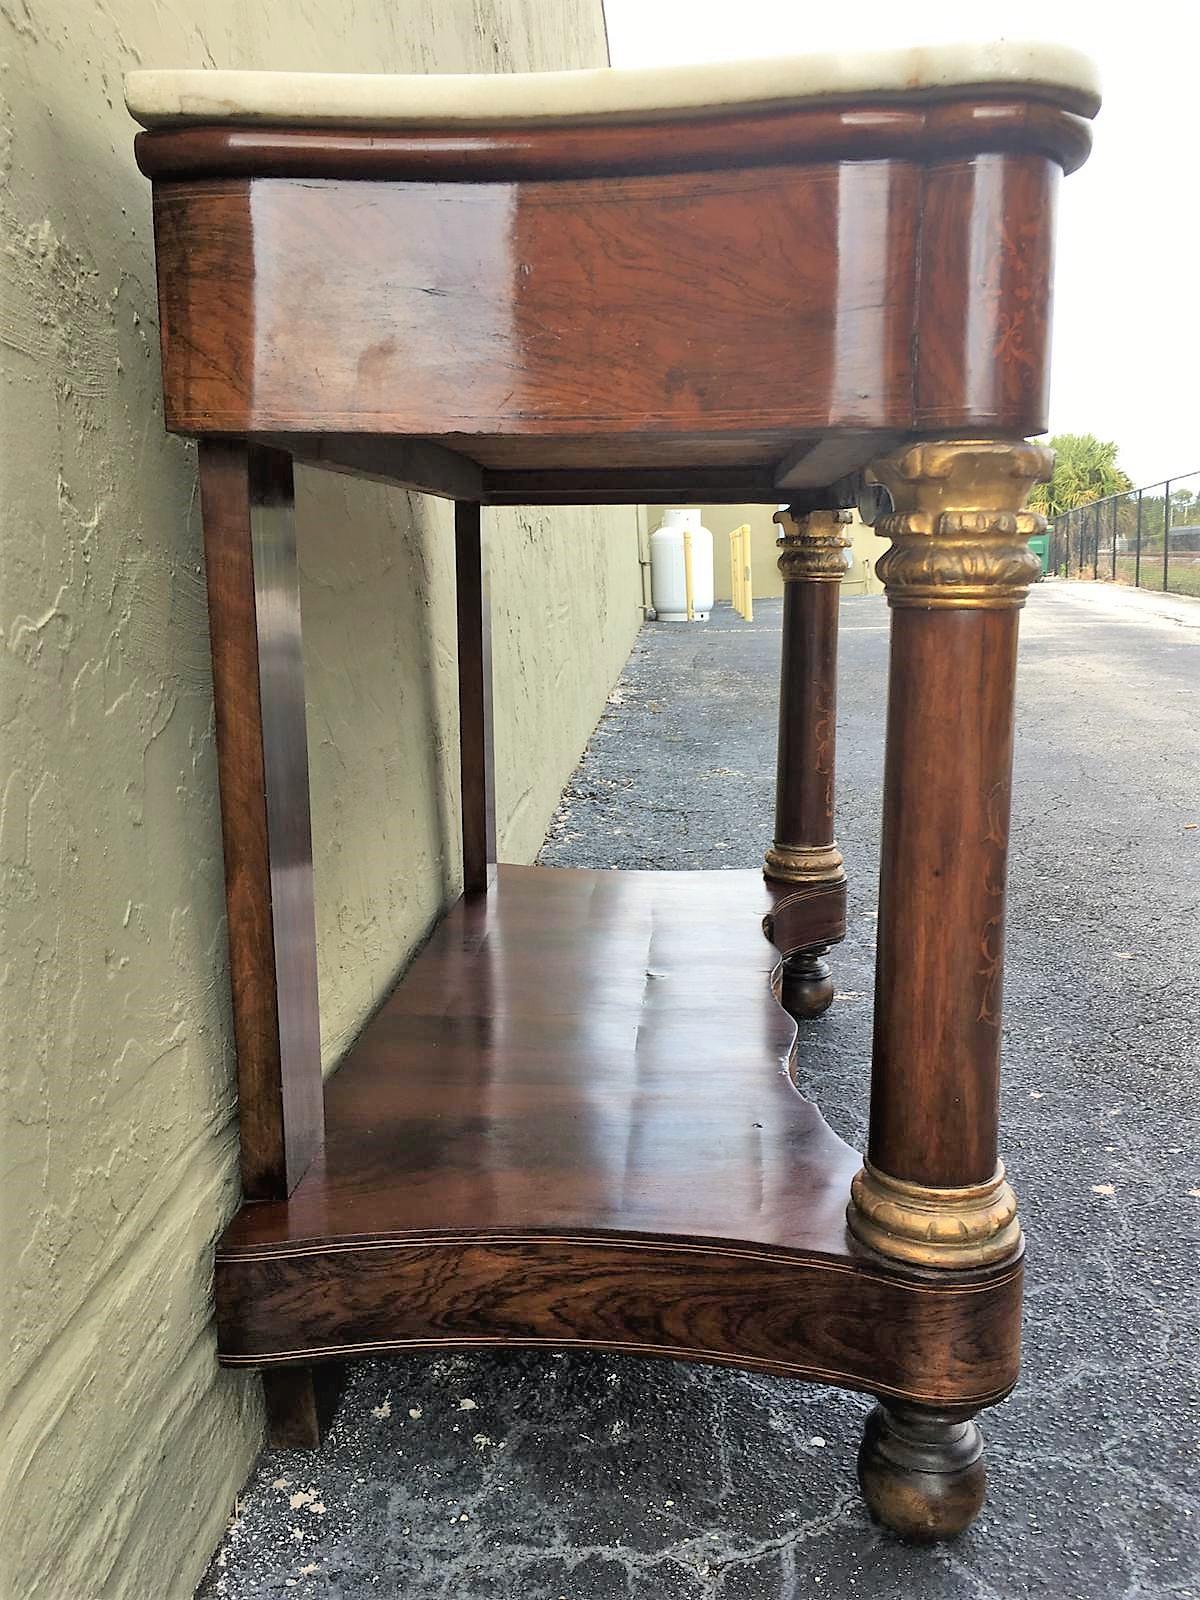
574	1121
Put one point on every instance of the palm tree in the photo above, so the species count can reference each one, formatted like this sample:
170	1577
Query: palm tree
1085	469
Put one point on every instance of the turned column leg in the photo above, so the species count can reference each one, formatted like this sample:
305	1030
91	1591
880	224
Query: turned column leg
932	1192
813	562
301	1402
262	762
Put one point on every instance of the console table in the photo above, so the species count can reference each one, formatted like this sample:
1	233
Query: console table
821	282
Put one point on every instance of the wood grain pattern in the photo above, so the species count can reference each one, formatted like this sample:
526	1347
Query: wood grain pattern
983	312
477	785
425	465
806	918
753	473
623	486
531	323
770	136
921	1471
947	777
525	1074
301	1402
797	1316
515	1155
541	307
713	451
575	1121
262	756
804	771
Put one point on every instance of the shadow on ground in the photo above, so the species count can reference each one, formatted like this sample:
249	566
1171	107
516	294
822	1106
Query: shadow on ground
578	1477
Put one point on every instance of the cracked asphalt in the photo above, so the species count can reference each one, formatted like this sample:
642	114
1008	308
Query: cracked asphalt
583	1477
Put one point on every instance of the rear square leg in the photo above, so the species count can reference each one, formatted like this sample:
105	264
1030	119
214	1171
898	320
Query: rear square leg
301	1402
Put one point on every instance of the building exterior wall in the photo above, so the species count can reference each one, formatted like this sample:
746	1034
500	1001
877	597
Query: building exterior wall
721	520
121	1444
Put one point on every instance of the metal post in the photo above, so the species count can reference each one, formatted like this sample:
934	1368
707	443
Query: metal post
1137	557
1114	538
1095	516
1166	533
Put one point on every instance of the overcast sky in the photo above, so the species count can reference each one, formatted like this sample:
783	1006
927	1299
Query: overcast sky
1126	362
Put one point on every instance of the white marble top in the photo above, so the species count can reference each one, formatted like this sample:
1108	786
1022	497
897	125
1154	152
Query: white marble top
377	100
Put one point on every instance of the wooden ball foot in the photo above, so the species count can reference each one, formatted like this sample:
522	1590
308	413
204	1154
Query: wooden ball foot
807	985
921	1473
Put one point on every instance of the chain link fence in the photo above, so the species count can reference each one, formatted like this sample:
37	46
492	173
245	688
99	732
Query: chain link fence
1149	538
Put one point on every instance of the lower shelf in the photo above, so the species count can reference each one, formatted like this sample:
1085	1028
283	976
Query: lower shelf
573	1122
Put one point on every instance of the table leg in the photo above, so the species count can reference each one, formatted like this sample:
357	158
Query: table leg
932	1192
813	562
262	760
301	1402
474	697
922	1471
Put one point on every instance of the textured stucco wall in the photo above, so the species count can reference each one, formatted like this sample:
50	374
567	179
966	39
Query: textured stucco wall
121	1445
382	703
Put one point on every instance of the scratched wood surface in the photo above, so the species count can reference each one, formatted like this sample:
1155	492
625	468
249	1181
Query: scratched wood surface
531	334
543	308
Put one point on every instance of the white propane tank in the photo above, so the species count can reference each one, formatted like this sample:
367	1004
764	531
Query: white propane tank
668	578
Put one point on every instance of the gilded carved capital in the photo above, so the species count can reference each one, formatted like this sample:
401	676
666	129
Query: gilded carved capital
928	1227
814	546
957	525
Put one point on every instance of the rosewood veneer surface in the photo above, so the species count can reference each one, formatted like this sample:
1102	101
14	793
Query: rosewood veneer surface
741	307
578	1050
574	1122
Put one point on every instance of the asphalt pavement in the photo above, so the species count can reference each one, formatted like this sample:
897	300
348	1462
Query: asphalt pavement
580	1477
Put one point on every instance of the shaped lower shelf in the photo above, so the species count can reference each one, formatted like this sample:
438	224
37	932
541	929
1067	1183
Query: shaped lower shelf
573	1122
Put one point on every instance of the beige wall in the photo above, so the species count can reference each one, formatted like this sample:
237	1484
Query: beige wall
382	704
122	1444
720	520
